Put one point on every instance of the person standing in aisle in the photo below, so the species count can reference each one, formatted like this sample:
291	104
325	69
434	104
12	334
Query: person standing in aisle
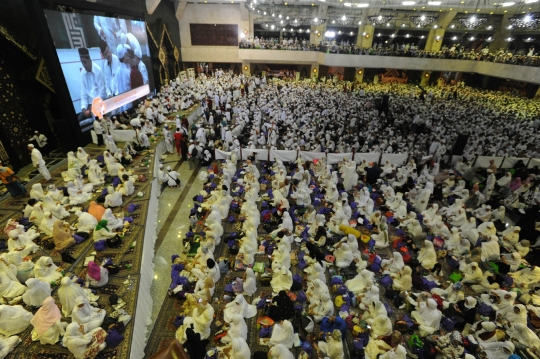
37	161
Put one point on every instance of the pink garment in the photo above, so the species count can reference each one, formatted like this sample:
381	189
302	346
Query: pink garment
515	184
94	271
46	316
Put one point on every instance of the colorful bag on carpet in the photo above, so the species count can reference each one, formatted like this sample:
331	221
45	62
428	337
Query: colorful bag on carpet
455	277
301	297
265	332
258	267
448	324
100	246
113	338
386	281
415	341
484	309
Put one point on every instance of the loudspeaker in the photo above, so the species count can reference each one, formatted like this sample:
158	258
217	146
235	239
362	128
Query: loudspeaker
460	144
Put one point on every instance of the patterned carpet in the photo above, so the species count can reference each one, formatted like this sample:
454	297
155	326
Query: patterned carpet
127	257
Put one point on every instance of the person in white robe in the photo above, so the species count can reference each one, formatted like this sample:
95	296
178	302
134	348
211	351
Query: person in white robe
237	349
38	162
36	293
283	333
113	198
427	256
10	289
237	328
171	177
46	271
497	350
510	236
393	265
69	291
97	276
325	308
333	346
13	319
350	176
55	208
84	314
281	280
47	325
7	345
280	351
344	256
37	192
47	223
491	250
239	306
402	280
20	243
113	222
95	173
73	169
77	194
24	268
201	318
526	277
523	337
80	342
82	156
86	222
472	274
126	188
427	316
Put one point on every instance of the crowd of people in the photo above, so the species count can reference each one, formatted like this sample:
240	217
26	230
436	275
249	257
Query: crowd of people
431	257
456	51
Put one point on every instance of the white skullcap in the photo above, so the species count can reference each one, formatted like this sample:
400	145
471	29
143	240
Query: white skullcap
120	51
168	168
13	233
31	145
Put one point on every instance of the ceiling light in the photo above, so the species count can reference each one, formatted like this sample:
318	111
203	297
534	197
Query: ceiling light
408	3
388	25
393	35
529	39
380	19
452	26
435	26
509	39
525	22
308	31
422	36
364	33
530	1
472	38
489	39
407	36
362	5
434	3
351	33
489	27
329	34
454	38
317	22
506	4
359	22
402	25
422	20
339	32
472	21
379	34
347	4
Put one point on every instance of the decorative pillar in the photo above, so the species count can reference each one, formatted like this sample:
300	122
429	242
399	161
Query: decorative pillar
502	33
315	38
246	70
425	78
314	71
359	75
434	40
365	41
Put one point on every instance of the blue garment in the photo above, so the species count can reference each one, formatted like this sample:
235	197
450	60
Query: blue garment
329	327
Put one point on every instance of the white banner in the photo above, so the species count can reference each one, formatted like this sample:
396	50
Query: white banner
369	157
509	162
395	159
310	156
483	161
222	155
260	155
337	157
123	135
534	162
285	156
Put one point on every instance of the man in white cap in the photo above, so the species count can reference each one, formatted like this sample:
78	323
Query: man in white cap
37	161
41	141
123	81
192	157
92	83
169	142
162	177
172	178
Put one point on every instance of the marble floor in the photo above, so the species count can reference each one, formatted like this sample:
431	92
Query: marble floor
173	222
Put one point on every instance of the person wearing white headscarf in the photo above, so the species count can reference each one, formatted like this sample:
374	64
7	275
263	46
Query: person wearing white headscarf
47	223
239	306
360	282
7	345
113	198
37	192
201	319
24	268
237	349
350	176
325	308
523	336
69	292
46	271
113	222
382	238
333	346
394	264
55	208
13	319
82	156
86	222
237	328
498	350
281	280
427	255
428	317
77	195
344	256
283	333
510	236
398	352
472	274
250	282
402	280
36	293
20	243
84	344
9	288
280	351
526	277
73	169
84	314
95	173
491	250
505	180
315	271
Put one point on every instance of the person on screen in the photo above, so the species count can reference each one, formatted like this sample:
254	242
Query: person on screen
110	29
109	68
92	83
136	61
123	82
135	76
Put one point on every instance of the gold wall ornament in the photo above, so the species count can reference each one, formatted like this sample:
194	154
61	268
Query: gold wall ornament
43	76
3	154
176	54
17	43
162	55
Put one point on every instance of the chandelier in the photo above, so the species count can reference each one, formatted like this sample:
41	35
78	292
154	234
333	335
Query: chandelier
473	21
529	39
527	21
422	20
296	22
317	22
379	19
490	39
344	20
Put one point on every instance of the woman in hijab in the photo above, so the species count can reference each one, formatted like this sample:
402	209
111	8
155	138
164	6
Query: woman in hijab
283	333
37	192
427	255
69	292
97	276
490	250
47	325
95	174
472	274
498	350
201	320
113	198
96	210
9	288
526	277
393	265
402	280
282	307
84	344
398	352
325	308
281	280
360	282
102	232
518	315
485	332
46	271
238	349
63	238
86	315
113	222
55	208
315	271
37	292
344	256
280	351
86	222
428	317
250	282
14	319
523	337
464	311
505	180
47	223
332	347
515	184
236	328
195	347
510	236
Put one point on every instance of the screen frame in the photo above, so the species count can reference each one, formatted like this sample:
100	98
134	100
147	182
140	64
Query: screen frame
36	13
